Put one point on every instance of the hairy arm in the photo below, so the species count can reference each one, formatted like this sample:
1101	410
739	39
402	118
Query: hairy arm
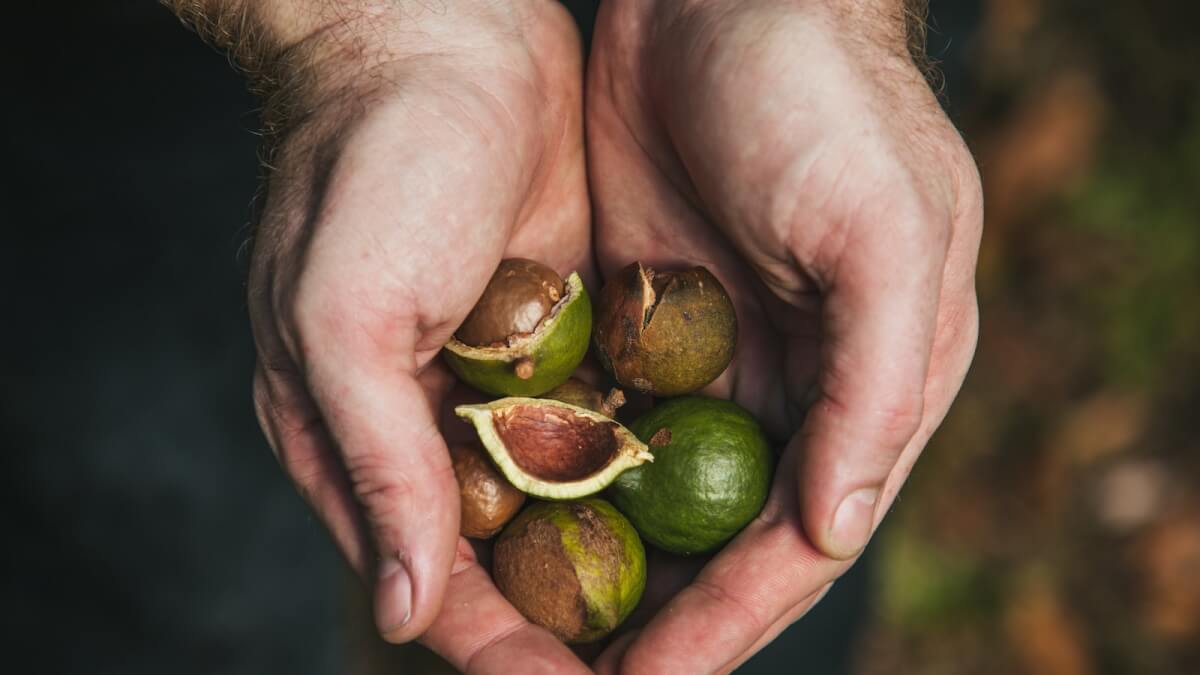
412	146
793	147
293	52
262	40
254	32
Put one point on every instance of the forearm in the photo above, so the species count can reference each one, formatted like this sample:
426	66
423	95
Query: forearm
915	14
894	26
251	32
898	26
261	38
891	22
300	53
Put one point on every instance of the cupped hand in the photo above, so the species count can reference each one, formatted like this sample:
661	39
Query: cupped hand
430	145
794	149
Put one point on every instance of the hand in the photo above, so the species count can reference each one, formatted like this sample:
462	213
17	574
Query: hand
795	150
433	145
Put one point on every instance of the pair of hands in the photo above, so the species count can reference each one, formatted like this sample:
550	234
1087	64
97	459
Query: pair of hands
791	147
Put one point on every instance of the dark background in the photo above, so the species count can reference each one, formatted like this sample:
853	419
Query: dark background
1052	527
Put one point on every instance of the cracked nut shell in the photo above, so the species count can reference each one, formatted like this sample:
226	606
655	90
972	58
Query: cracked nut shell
520	294
665	333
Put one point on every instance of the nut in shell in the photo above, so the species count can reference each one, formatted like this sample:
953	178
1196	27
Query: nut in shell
576	568
487	500
665	333
580	393
518	297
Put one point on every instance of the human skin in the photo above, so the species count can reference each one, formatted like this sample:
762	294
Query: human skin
414	147
796	150
790	146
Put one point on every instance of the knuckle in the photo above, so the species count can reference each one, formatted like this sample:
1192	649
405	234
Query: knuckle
923	219
379	488
892	420
313	312
355	317
308	470
500	635
386	484
797	563
748	613
313	483
899	418
309	304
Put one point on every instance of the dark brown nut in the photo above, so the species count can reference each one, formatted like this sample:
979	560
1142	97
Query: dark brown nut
584	395
520	294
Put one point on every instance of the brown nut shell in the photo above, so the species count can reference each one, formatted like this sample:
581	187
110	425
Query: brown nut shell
580	393
520	294
575	568
665	333
488	500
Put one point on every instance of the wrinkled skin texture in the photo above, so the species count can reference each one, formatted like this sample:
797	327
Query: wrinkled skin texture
790	147
428	156
795	150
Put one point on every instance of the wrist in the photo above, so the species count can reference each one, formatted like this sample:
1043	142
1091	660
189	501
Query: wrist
300	54
895	26
889	25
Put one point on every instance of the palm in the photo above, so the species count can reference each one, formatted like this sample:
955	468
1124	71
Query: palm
665	199
389	207
755	146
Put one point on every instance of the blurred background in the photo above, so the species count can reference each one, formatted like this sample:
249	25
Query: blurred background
1053	526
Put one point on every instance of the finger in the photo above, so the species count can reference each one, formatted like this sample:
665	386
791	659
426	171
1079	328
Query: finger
480	633
764	573
298	437
719	622
953	349
609	661
878	323
781	624
957	327
736	600
361	373
652	221
666	575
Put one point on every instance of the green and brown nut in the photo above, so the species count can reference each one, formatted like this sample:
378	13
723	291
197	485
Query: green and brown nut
527	333
518	297
576	568
664	333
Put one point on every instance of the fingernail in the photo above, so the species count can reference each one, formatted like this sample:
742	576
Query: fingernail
393	595
852	523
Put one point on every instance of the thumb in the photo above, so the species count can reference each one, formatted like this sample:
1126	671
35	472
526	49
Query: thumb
382	422
878	321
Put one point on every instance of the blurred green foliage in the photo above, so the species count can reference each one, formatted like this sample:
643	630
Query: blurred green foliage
1053	525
